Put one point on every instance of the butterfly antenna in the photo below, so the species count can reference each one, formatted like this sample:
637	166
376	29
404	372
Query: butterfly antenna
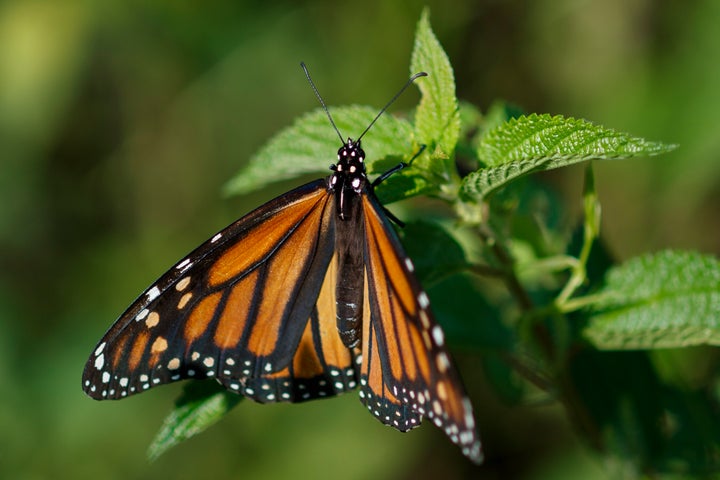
410	81
322	102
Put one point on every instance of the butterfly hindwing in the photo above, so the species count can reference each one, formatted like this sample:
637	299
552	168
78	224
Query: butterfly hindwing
321	367
241	307
407	372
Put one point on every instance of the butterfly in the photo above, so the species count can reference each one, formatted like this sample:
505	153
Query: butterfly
308	296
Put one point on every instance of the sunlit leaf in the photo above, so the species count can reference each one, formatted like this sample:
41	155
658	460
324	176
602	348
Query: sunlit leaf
544	142
310	145
437	120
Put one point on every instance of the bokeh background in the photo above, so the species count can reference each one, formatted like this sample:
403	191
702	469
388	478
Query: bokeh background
121	120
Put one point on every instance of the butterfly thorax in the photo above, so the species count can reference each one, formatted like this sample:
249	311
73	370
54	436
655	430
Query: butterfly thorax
348	183
348	179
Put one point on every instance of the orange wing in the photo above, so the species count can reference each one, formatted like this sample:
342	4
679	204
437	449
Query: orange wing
406	370
243	307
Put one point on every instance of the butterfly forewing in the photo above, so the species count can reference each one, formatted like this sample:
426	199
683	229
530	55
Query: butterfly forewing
235	308
407	372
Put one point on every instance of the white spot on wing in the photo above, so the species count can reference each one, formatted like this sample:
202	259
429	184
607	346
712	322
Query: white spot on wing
216	238
438	336
409	265
100	348
184	265
423	300
443	362
100	361
153	293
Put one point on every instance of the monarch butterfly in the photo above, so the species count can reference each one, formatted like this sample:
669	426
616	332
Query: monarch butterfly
305	297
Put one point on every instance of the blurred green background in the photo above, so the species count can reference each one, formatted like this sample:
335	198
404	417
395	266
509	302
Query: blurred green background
121	120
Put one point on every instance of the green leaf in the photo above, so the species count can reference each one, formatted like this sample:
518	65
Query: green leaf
668	299
202	404
544	142
310	146
437	120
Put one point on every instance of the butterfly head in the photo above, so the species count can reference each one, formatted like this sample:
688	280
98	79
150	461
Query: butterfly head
350	169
